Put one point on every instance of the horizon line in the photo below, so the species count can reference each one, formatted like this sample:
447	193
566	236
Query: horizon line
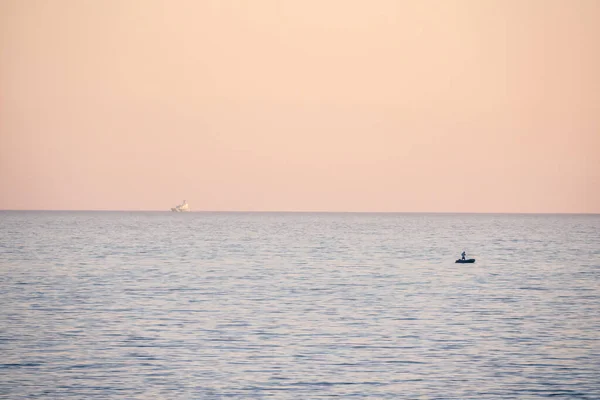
305	212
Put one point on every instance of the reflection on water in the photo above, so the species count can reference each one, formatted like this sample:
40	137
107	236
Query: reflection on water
215	305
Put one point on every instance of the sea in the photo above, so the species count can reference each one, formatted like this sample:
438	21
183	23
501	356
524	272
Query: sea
211	305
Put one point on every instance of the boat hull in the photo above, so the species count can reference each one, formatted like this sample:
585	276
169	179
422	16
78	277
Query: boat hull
469	261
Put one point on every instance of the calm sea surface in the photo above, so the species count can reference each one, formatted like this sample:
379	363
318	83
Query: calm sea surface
298	306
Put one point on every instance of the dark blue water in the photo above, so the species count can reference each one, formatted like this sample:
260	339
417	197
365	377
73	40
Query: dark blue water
298	306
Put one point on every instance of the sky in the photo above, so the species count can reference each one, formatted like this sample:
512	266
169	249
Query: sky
312	105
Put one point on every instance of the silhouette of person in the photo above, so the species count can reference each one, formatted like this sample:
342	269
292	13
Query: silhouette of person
463	255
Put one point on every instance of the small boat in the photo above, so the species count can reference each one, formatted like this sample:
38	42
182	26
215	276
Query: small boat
183	207
469	261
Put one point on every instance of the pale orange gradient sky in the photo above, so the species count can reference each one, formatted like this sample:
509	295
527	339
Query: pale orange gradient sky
331	105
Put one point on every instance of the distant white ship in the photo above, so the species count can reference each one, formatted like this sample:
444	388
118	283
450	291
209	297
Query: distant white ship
183	207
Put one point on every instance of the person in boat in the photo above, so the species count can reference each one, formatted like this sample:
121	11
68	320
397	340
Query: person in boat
463	255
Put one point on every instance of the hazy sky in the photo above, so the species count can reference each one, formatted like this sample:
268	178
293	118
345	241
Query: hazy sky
301	105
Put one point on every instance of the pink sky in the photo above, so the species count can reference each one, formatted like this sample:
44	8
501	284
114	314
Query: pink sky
312	105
